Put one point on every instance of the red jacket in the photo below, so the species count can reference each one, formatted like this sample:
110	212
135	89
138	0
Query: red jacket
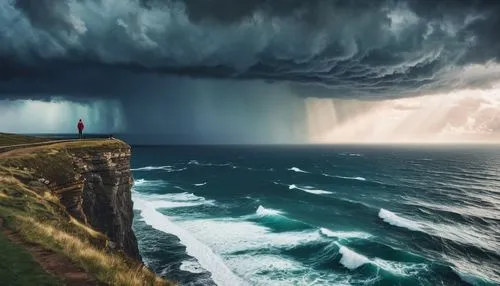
80	126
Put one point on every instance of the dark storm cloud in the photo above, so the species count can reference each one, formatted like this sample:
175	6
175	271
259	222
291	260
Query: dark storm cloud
341	48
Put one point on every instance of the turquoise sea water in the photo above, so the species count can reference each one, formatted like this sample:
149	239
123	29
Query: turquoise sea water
342	215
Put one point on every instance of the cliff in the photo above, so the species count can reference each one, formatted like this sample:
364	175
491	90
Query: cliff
74	198
100	195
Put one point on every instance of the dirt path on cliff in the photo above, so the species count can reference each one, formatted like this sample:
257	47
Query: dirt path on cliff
52	262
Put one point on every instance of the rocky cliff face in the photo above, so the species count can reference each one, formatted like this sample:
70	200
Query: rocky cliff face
100	194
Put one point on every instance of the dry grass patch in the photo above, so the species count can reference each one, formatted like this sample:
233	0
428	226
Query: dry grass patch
39	218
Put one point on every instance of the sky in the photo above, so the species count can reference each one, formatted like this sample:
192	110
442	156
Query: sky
253	71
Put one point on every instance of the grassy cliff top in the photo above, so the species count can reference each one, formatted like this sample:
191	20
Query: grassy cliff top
51	160
7	139
32	213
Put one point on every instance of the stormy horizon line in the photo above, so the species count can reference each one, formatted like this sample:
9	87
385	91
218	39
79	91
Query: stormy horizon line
132	137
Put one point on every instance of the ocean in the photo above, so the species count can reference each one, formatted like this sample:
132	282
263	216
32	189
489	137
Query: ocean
319	215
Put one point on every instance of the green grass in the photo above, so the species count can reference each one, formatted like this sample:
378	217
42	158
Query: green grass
31	210
18	268
7	139
40	219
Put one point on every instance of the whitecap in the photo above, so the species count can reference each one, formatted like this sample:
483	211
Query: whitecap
236	235
345	178
247	248
276	270
400	268
351	259
351	178
197	163
457	232
297	170
148	183
152	168
262	211
395	220
309	190
173	200
157	168
172	205
221	274
200	184
344	234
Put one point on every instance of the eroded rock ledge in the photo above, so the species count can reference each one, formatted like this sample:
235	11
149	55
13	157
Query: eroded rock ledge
100	194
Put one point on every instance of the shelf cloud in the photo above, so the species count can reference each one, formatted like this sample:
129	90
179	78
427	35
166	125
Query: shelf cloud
353	49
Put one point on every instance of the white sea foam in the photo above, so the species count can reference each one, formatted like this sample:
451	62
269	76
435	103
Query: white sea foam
345	178
298	170
351	178
400	268
152	168
173	200
191	266
149	183
262	211
309	190
179	197
395	220
197	163
200	184
221	274
475	275
172	205
267	269
344	234
244	246
157	168
457	232
234	235
351	259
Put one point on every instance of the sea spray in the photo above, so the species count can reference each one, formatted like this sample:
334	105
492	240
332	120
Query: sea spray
221	274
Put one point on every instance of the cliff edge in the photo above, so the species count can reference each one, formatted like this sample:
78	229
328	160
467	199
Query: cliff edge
74	198
100	195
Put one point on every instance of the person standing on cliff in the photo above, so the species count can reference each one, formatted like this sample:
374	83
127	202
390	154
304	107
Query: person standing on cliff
80	129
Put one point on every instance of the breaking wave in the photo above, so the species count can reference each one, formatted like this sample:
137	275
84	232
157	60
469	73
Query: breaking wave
309	190
297	170
174	200
149	183
197	163
346	178
210	261
457	233
344	234
395	220
158	168
351	259
262	211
